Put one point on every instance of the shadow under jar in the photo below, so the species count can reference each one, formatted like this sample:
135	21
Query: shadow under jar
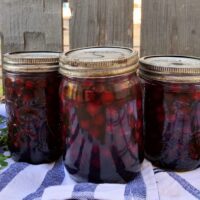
172	111
31	81
101	111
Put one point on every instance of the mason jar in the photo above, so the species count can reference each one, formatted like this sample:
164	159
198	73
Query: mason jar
101	112
31	82
172	111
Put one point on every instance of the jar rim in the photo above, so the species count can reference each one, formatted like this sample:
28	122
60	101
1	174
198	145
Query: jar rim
101	61
170	68
31	61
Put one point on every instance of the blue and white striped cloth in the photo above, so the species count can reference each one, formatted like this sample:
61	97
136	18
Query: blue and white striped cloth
52	182
178	186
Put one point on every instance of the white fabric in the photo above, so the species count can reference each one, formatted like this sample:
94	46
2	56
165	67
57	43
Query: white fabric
178	186
107	191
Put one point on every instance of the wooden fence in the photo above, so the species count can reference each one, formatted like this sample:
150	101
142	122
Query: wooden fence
31	25
168	26
101	22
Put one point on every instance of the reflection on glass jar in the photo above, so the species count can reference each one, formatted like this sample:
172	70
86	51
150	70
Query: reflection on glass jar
102	117
172	111
32	105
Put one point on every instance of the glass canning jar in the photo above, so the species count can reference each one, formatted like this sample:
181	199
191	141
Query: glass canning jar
31	82
101	109
172	111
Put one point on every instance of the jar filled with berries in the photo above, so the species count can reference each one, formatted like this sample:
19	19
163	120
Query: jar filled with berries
101	112
31	81
172	111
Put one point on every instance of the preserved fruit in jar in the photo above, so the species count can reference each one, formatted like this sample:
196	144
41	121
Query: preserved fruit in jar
101	109
31	82
172	111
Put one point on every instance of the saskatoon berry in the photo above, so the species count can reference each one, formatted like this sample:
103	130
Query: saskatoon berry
85	124
90	95
29	85
99	120
93	109
107	97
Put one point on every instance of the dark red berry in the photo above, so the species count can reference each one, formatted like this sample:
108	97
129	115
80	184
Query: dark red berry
139	104
29	85
85	124
27	98
139	124
107	97
137	136
99	88
99	120
95	132
176	88
87	83
19	82
19	91
90	95
93	108
196	96
132	122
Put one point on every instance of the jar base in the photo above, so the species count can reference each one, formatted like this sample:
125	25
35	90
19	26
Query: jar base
82	179
170	167
35	160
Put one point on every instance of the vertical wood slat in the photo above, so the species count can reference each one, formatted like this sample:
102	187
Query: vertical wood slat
31	25
170	27
101	22
1	56
1	48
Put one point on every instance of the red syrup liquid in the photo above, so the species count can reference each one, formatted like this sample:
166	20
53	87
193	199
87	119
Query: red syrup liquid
102	119
32	103
172	125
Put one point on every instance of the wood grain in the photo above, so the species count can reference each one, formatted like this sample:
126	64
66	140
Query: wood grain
101	22
170	27
31	25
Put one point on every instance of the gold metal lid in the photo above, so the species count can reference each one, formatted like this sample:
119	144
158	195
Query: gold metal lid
32	61
98	62
178	69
